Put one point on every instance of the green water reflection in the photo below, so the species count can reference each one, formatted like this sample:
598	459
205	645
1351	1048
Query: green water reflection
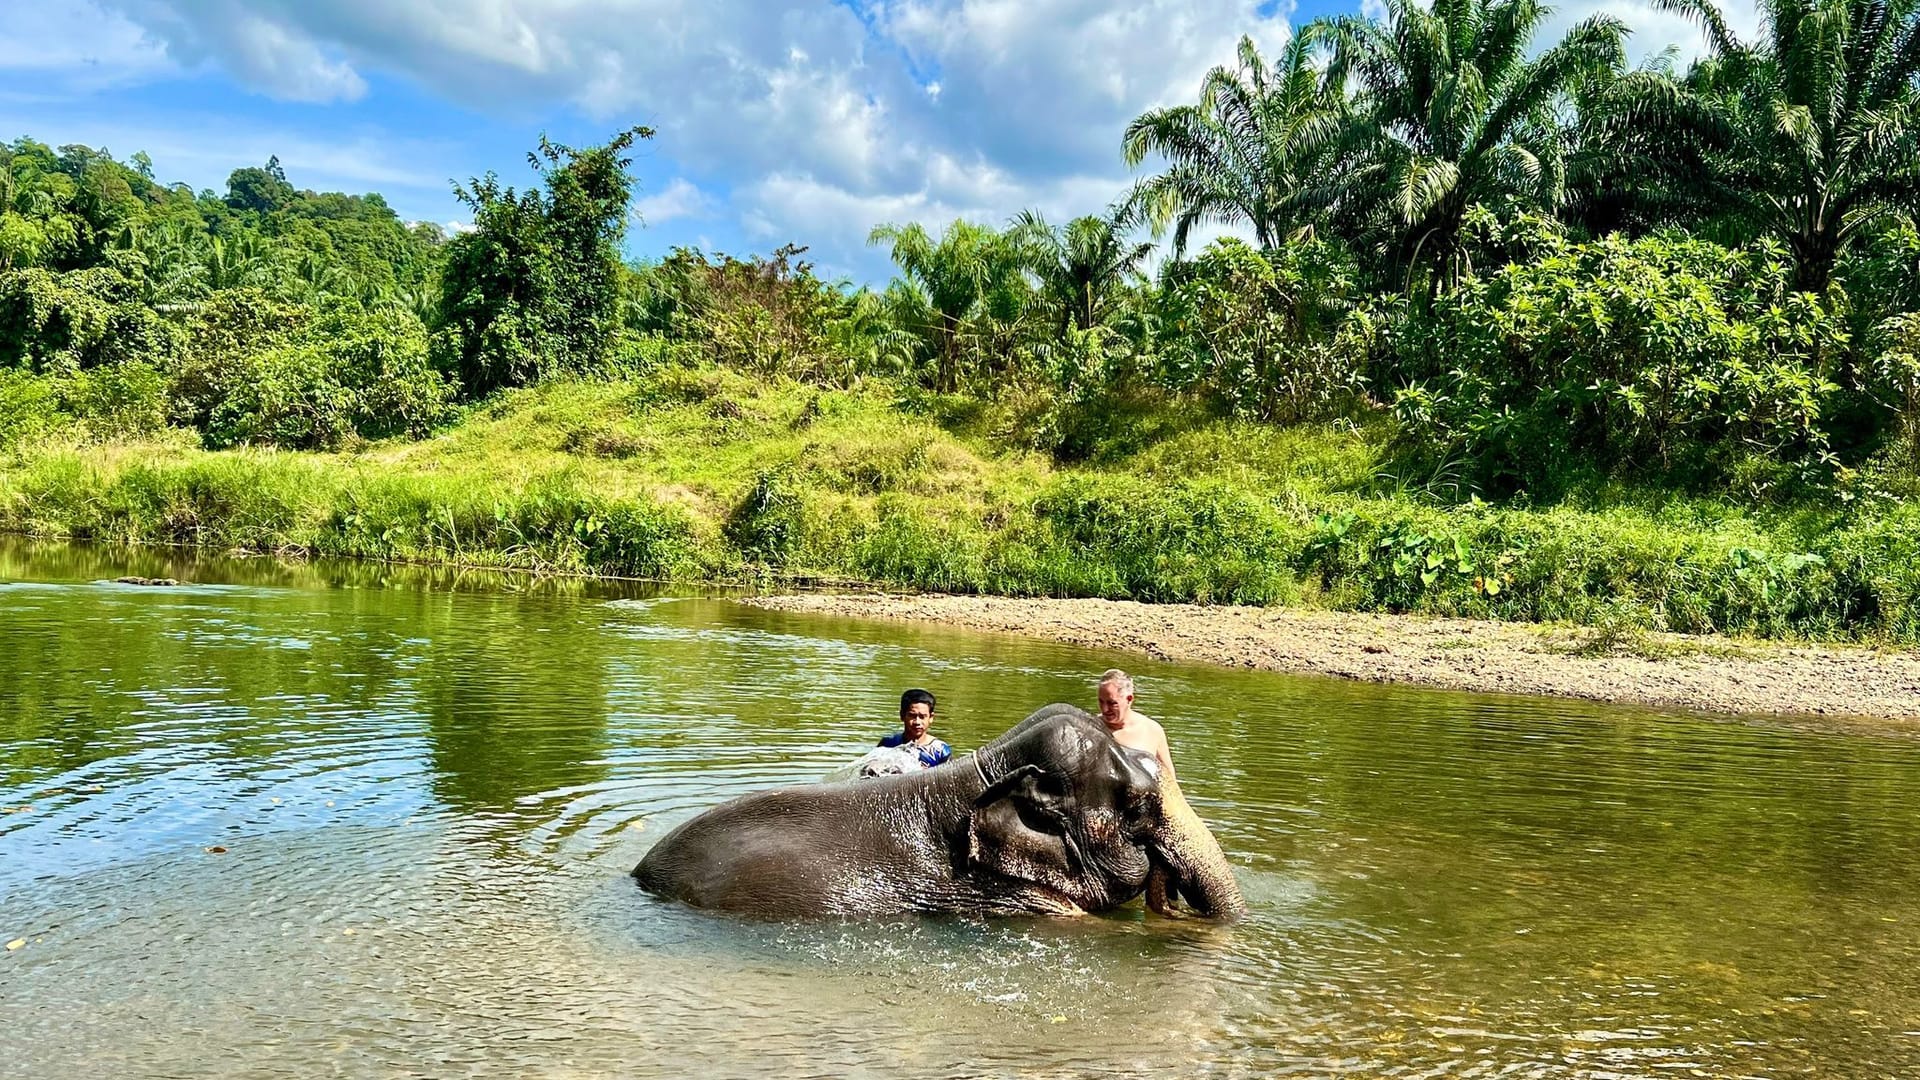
425	785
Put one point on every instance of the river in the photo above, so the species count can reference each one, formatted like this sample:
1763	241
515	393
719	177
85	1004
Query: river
341	819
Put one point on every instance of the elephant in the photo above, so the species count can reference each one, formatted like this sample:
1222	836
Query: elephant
1052	818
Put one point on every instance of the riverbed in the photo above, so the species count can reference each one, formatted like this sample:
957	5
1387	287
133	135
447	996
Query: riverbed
340	819
1708	673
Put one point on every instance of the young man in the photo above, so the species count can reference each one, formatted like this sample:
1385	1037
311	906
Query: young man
1130	728
916	716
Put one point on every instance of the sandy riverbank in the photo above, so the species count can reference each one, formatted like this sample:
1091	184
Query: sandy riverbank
1712	674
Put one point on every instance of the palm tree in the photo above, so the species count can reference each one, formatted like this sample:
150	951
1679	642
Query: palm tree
169	255
418	299
1824	115
228	265
1454	113
1253	152
880	331
1640	153
1081	267
972	269
315	278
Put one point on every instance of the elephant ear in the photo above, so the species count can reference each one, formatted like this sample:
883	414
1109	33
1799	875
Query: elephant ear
1019	829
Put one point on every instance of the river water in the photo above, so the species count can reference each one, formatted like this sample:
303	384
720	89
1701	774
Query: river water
316	820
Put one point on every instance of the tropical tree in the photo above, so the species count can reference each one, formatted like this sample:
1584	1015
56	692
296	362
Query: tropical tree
535	287
1640	153
21	240
1254	152
1453	110
168	254
1082	268
244	260
1824	115
263	190
968	279
35	225
315	277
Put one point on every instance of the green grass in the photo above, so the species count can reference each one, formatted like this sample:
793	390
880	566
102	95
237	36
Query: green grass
705	475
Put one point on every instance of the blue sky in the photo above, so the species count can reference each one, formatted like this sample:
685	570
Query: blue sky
779	120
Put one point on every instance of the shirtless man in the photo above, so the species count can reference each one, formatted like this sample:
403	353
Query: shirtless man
1130	728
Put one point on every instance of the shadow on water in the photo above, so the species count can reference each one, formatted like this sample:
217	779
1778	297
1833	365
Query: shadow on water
377	820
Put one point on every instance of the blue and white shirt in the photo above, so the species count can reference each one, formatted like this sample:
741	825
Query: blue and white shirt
931	754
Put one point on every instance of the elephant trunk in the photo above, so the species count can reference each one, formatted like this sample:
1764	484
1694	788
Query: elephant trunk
1188	862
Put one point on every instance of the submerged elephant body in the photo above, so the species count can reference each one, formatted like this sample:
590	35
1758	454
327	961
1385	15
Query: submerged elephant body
1053	817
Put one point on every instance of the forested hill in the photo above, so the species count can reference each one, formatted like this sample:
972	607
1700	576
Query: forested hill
1492	283
76	208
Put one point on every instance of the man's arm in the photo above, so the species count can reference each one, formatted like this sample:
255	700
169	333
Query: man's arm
1162	751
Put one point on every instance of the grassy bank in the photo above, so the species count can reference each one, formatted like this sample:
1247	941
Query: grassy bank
706	475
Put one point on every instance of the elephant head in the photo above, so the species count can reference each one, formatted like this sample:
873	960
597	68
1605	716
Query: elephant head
1070	812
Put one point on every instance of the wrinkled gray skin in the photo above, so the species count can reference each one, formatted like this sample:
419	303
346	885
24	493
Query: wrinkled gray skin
1053	817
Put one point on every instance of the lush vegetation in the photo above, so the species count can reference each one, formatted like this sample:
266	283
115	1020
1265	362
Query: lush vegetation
1519	332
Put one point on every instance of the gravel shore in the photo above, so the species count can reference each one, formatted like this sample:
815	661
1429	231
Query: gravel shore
1704	673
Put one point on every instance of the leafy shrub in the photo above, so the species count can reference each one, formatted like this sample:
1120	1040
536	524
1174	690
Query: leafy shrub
1882	281
771	316
114	400
1894	372
29	406
343	374
1093	402
1266	335
1631	356
1882	276
1874	564
770	522
1204	540
84	319
222	334
119	399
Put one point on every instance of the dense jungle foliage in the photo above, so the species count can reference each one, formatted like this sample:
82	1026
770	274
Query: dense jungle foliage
1488	275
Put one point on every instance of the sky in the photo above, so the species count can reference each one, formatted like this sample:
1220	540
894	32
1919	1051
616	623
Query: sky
778	121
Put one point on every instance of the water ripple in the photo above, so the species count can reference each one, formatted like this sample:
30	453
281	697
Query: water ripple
278	830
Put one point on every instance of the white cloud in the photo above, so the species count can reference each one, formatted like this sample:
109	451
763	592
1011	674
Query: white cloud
1025	110
917	109
78	45
267	53
680	199
1654	30
289	66
1050	84
450	228
821	117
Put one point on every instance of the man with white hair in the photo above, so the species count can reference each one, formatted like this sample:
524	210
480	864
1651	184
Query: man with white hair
1130	728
